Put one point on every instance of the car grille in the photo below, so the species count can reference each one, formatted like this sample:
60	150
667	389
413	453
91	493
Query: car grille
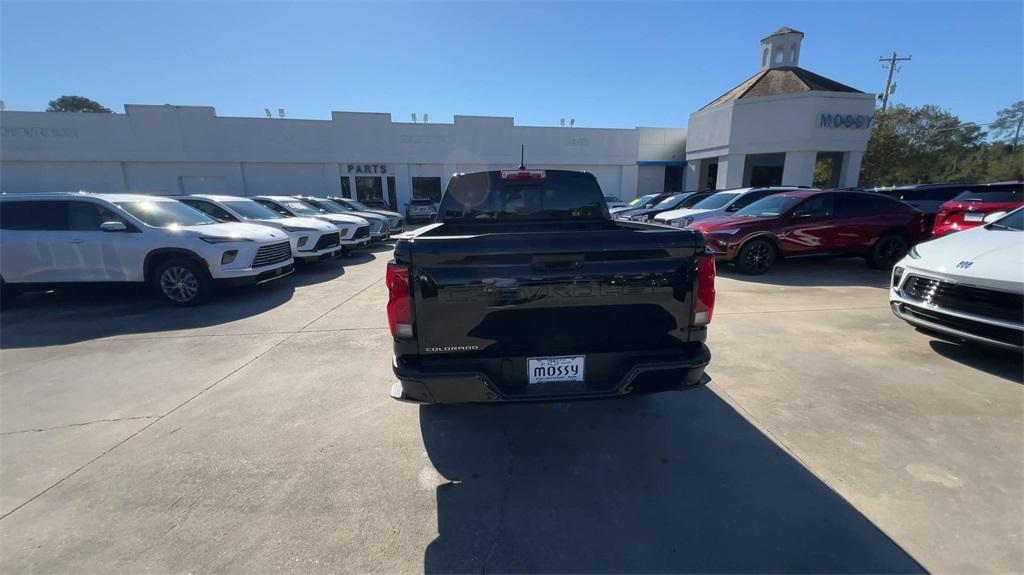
361	232
272	254
1007	335
967	299
327	241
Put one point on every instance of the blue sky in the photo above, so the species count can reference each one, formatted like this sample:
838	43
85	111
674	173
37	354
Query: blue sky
607	65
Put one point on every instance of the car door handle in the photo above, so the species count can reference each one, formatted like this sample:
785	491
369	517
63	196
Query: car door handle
75	241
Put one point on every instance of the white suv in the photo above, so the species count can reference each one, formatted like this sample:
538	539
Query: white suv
312	239
355	232
66	238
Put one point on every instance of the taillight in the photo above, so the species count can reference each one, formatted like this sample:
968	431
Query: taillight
705	306
399	300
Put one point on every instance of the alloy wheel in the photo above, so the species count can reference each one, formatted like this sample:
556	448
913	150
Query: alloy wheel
179	284
757	257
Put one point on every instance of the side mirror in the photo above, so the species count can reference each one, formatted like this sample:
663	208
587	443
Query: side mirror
113	227
993	217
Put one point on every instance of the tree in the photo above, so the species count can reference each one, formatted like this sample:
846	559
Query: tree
921	145
76	104
1008	121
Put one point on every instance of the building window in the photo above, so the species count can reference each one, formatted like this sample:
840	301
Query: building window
424	188
764	58
369	188
392	193
792	54
779	55
346	187
673	179
711	179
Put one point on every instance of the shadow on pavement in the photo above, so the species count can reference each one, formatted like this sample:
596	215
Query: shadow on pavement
1006	364
850	271
675	482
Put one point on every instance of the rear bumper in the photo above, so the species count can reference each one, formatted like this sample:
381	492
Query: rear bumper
646	374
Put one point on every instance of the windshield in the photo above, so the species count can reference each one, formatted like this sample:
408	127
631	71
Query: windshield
165	214
252	210
641	200
359	206
715	201
301	208
1013	221
769	207
671	201
329	207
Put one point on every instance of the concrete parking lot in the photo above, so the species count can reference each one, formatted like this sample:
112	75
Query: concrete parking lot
256	434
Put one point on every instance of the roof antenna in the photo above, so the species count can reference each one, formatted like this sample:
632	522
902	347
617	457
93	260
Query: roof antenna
522	157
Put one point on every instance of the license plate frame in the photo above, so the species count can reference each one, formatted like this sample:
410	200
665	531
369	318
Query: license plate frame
555	369
974	217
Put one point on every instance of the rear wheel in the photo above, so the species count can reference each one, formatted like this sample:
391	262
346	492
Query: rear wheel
181	282
888	250
755	257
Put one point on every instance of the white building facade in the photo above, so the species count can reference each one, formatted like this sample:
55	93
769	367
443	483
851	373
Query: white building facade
775	127
185	149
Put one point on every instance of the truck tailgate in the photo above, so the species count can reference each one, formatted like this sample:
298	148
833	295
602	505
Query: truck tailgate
554	293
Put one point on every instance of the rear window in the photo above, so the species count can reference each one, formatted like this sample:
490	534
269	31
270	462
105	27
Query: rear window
40	215
938	194
992	194
856	204
558	195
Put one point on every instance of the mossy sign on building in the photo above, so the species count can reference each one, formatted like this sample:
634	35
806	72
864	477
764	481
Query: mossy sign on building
855	121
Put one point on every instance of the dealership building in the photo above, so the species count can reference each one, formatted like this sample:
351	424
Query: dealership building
773	128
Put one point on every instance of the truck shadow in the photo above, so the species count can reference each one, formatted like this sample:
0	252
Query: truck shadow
813	272
675	482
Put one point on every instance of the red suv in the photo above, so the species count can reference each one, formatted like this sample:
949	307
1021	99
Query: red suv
815	222
969	208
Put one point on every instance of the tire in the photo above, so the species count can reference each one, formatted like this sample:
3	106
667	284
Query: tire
888	249
181	282
756	257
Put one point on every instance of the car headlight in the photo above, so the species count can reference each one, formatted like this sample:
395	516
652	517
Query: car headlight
914	254
681	222
222	239
729	232
295	229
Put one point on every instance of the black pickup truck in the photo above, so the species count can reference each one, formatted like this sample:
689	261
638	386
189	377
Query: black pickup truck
526	289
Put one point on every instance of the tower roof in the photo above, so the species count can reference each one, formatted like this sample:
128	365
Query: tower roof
781	80
781	31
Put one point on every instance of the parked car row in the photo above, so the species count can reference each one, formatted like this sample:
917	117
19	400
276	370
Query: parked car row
182	246
954	207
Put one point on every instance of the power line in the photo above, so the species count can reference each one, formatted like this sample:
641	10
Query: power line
890	61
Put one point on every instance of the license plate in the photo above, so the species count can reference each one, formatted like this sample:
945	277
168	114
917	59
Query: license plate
549	369
974	217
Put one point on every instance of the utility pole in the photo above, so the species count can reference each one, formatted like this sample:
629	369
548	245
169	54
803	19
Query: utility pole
891	63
